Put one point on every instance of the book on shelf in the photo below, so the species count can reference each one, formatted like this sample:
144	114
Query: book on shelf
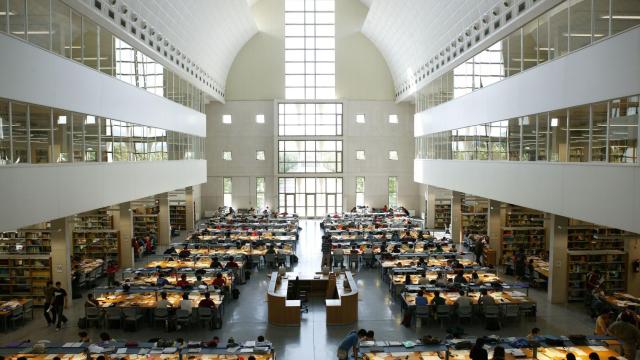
442	213
611	264
24	276
25	241
524	231
475	215
178	217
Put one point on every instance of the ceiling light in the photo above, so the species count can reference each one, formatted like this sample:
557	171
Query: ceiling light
3	13
618	17
583	35
546	49
32	32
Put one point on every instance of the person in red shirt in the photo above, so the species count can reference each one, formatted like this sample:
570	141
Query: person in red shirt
183	283
207	302
112	269
232	264
219	281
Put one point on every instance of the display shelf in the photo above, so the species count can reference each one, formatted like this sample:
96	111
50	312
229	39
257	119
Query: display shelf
25	242
96	244
524	231
99	221
145	221
178	217
585	236
24	276
610	263
442	213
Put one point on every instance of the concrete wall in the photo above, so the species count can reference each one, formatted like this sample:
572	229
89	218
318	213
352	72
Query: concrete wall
602	71
243	137
36	193
36	76
258	71
604	194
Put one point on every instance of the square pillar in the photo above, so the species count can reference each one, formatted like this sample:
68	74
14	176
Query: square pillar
164	225
456	218
558	258
189	206
123	221
494	228
430	196
632	247
61	251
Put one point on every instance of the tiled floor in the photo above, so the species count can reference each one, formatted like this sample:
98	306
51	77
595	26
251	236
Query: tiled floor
246	318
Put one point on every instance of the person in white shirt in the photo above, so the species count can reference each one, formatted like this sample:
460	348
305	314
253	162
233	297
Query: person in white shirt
423	279
463	301
185	303
338	256
368	250
163	302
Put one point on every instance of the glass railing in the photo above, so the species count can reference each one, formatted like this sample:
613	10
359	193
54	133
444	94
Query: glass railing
571	25
56	27
33	134
600	132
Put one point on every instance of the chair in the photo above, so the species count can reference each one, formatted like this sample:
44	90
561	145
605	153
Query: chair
338	260
270	260
113	314
205	314
16	315
161	314
281	259
464	312
183	317
354	261
27	307
511	311
368	259
491	311
443	312
422	312
131	315
527	309
538	281
93	314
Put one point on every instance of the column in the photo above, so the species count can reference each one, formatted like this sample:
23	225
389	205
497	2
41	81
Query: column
61	251
456	218
558	269
164	225
430	221
632	247
189	205
494	228
123	221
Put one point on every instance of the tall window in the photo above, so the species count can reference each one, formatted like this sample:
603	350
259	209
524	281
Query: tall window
359	190
227	189
393	191
481	70
138	69
309	33
309	156
260	193
296	119
310	196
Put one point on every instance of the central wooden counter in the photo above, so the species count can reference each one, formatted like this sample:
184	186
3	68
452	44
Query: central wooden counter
339	291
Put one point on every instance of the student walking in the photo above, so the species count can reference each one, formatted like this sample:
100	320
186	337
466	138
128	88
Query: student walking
59	304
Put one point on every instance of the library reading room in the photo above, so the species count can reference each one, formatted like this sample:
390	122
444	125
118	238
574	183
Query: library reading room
319	179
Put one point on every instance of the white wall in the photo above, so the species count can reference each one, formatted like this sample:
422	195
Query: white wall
243	137
36	193
603	194
605	70
258	71
36	76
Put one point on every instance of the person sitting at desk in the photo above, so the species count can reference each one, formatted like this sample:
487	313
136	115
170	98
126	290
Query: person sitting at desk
478	352
437	299
184	253
420	299
457	265
396	249
183	283
163	302
262	342
421	263
463	300
535	332
91	301
185	303
407	279
498	353
219	281
198	281
438	248
485	298
423	279
271	250
459	278
170	251
84	337
162	281
474	276
395	236
407	237
441	280
453	248
207	302
370	237
232	264
215	263
368	250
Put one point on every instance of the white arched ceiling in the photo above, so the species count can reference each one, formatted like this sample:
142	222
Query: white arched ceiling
209	32
408	32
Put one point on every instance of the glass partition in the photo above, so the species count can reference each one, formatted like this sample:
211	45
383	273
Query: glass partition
514	139
38	24
529	138
599	126
19	132
579	131
623	130
40	134
542	142
5	133
62	136
18	18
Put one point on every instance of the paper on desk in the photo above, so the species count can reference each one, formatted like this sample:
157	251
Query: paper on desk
233	349
515	352
518	294
169	350
246	350
50	356
249	344
598	348
577	351
400	354
69	344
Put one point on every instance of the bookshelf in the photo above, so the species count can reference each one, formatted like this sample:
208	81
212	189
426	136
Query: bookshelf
585	236
96	244
99	221
523	229
25	242
145	221
475	215
24	276
442	213
610	263
178	217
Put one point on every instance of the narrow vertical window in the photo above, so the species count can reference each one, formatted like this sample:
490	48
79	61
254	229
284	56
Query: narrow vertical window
393	191
260	193
359	191
227	190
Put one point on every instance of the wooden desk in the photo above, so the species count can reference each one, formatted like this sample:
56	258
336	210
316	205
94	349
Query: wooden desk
341	297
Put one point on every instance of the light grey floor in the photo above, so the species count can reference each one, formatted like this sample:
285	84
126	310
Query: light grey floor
245	318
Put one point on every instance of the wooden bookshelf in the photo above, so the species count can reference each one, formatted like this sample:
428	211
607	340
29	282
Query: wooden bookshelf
523	230
145	221
98	221
442	213
178	217
25	242
586	236
610	263
96	244
475	215
24	276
